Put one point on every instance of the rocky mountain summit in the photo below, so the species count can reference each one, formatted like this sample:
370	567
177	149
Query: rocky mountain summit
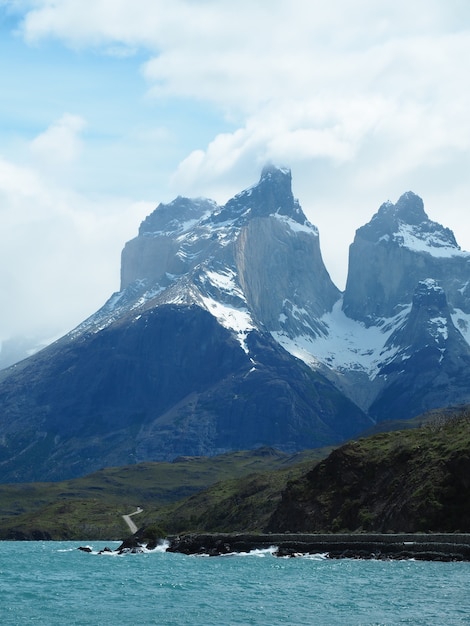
228	333
253	263
407	294
389	256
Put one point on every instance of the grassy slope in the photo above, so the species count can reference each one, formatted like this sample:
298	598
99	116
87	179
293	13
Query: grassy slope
407	480
402	481
235	505
91	507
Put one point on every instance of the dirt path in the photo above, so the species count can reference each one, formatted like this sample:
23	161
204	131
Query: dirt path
129	522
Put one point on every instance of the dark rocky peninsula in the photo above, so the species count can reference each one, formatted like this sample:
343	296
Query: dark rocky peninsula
425	547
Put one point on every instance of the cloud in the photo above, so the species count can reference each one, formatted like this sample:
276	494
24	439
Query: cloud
299	80
363	100
59	251
247	53
61	142
81	23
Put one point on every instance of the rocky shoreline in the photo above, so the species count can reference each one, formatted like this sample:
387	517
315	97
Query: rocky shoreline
428	547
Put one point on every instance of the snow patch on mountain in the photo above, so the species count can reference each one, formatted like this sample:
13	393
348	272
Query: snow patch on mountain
435	243
148	295
228	304
233	318
438	328
296	227
224	281
178	217
461	321
347	344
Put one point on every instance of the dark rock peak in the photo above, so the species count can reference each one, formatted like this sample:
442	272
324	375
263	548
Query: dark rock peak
271	172
429	368
271	195
429	322
399	247
388	223
169	217
430	294
410	209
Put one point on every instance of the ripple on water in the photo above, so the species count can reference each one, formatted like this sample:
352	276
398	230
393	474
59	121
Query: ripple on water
54	583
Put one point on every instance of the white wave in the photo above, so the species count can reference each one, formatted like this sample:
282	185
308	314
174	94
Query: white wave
259	552
70	549
161	547
320	556
272	551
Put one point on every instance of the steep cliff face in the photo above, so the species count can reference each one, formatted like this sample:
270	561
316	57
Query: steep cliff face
282	274
430	363
161	250
180	361
407	287
258	253
399	247
228	332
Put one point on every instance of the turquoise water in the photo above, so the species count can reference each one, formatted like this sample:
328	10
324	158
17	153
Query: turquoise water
51	583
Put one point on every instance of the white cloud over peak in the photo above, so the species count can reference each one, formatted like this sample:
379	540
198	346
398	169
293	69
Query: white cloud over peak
301	80
363	100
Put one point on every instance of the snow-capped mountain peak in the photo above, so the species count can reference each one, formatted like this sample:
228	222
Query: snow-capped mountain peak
407	224
253	263
399	247
228	332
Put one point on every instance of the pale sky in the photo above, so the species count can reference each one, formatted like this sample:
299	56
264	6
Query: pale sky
109	107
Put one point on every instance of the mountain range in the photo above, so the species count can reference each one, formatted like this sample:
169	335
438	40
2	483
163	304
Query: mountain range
227	333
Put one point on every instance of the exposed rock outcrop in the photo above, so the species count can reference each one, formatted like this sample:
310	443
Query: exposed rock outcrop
431	360
228	333
399	247
335	546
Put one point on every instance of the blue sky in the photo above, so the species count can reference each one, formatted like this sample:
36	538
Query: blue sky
108	108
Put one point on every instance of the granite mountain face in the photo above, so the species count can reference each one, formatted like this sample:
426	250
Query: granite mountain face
399	247
228	333
254	263
403	320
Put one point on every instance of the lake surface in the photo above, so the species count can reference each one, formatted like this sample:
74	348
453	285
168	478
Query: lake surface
51	583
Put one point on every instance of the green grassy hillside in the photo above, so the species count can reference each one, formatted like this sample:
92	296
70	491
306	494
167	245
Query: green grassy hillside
92	507
407	480
402	481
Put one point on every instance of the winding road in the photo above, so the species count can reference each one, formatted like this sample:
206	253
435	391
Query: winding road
129	522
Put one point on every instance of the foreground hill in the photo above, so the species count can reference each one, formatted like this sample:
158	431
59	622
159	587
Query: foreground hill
402	481
412	480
